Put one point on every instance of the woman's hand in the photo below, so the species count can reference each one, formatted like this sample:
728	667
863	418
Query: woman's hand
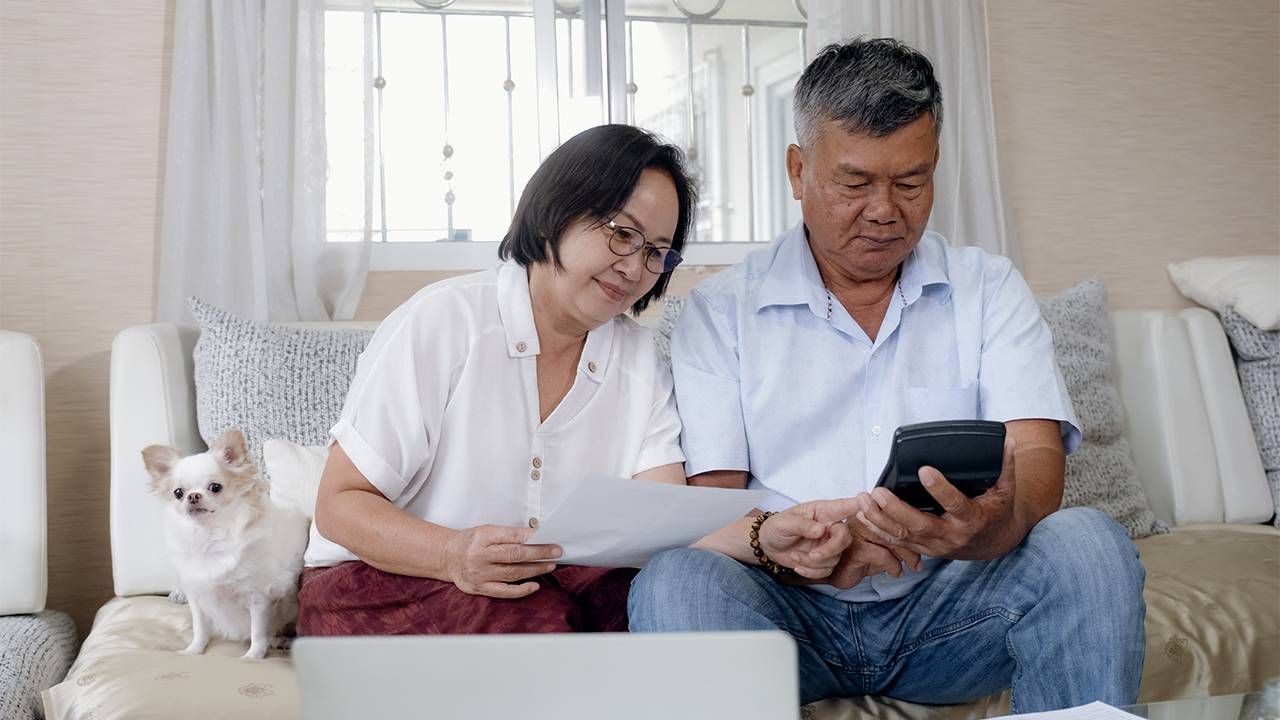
814	539
488	559
809	538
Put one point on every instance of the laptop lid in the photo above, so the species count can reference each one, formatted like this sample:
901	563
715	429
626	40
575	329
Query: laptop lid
740	675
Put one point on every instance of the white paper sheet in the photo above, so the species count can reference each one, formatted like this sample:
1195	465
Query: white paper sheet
1092	711
618	522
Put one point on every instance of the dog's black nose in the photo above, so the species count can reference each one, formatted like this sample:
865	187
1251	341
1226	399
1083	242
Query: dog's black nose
193	498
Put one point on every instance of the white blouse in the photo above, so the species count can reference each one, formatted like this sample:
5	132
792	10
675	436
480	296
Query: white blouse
442	416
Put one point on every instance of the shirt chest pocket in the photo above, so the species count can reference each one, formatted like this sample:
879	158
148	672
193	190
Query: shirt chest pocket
927	404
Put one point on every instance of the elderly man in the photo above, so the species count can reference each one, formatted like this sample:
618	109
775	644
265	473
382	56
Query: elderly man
794	368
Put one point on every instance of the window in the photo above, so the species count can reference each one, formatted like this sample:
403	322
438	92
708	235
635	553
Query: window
468	96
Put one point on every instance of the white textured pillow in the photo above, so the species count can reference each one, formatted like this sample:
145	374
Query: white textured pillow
1249	284
295	473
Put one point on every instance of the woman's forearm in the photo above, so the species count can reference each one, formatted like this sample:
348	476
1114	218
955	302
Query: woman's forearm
383	535
732	540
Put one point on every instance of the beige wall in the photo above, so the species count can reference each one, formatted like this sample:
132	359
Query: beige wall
1132	134
83	100
1137	133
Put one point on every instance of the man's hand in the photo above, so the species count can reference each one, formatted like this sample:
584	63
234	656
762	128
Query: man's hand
981	528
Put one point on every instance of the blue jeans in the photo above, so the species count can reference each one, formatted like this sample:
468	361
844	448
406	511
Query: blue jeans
1059	619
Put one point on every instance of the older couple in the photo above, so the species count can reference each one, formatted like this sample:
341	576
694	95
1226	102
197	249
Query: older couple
484	399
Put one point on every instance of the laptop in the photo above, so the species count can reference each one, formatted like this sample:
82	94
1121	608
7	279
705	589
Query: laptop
644	676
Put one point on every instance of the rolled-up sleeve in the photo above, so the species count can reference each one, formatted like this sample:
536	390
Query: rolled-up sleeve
704	362
1019	377
391	419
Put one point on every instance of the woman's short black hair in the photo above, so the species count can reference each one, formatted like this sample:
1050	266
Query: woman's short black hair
591	176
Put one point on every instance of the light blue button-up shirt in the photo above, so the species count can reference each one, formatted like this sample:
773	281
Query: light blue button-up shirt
767	384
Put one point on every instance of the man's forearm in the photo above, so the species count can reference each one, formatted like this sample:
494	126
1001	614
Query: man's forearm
1038	487
733	479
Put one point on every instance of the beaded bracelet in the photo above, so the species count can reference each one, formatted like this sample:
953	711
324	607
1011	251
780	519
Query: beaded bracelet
774	568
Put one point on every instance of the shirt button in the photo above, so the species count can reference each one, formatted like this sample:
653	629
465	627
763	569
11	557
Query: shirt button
522	346
537	462
533	522
535	474
591	367
876	431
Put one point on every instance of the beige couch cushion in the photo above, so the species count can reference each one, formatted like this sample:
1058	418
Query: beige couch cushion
1213	610
129	667
1213	627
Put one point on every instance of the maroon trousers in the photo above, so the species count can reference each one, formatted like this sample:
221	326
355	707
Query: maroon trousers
357	599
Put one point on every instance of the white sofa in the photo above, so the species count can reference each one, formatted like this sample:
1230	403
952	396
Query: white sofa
1213	621
36	645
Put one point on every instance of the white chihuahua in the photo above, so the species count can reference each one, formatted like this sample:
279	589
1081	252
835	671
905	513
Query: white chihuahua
238	553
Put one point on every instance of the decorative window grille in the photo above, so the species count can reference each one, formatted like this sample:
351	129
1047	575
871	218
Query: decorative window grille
470	95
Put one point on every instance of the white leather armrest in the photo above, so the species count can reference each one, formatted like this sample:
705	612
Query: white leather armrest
23	553
1185	419
1166	421
1246	498
152	402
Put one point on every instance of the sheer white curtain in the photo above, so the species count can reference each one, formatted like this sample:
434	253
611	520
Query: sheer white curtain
969	207
244	205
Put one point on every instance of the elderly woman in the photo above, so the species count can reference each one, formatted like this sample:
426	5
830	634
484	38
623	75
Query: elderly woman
482	401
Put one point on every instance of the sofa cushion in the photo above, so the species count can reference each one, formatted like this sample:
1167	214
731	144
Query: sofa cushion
1246	283
1101	473
35	652
129	667
1258	364
1213	623
271	381
295	473
1213	627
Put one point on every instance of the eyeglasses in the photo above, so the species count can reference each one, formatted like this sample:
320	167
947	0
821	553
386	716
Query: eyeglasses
624	241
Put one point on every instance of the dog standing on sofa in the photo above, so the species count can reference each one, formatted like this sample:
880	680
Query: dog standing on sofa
238	553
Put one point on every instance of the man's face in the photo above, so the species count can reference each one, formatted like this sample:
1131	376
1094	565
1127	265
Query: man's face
866	200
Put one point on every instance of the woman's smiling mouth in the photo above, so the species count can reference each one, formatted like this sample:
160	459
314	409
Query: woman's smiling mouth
613	292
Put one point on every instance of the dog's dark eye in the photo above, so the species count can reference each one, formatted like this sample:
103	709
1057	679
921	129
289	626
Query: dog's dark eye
215	488
178	493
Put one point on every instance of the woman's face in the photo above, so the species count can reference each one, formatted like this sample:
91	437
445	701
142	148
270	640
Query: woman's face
594	284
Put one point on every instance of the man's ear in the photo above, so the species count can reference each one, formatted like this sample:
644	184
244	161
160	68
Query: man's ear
160	460
229	449
795	169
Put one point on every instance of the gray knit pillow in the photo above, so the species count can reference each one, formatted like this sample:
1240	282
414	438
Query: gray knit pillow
35	653
1258	363
270	381
1100	473
672	306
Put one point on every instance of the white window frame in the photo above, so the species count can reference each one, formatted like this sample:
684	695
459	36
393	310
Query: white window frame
477	255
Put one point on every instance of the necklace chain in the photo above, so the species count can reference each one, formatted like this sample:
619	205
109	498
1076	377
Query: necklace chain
898	285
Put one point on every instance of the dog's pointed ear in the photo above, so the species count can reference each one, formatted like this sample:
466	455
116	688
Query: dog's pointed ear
229	448
160	460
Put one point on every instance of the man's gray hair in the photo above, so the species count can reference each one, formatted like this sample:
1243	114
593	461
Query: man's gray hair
872	86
